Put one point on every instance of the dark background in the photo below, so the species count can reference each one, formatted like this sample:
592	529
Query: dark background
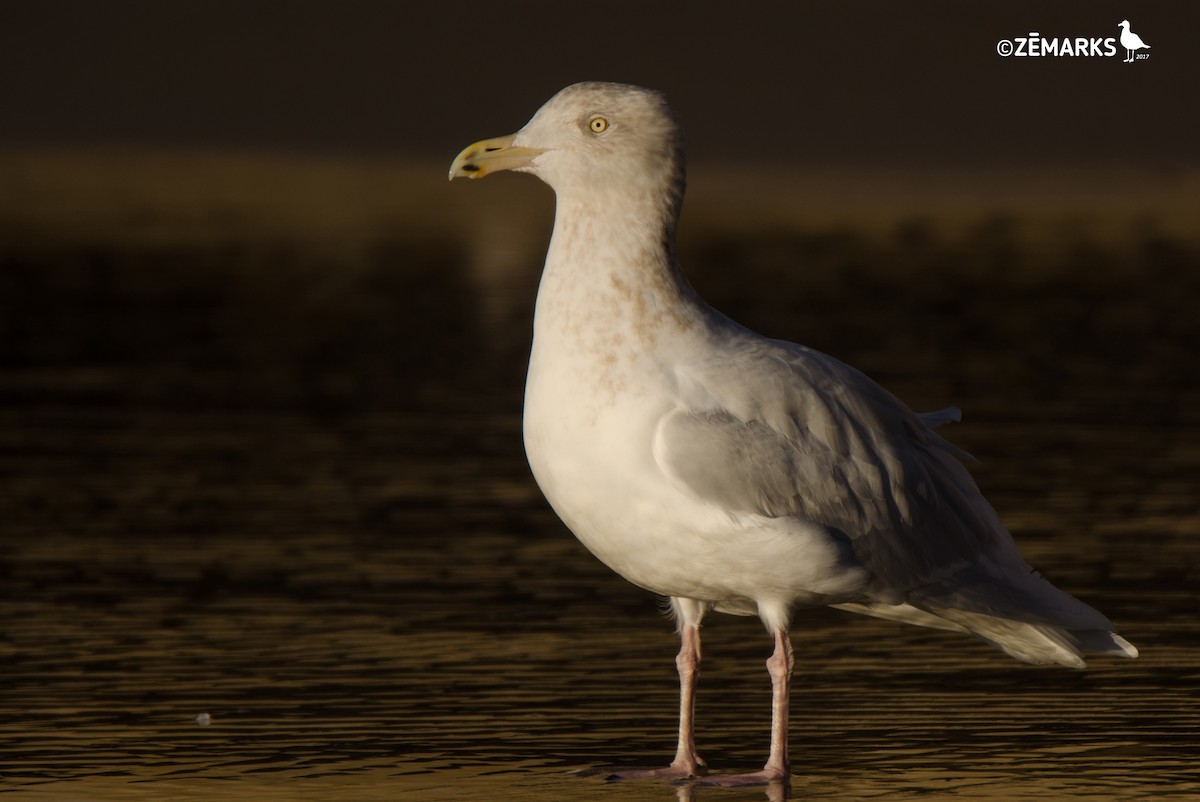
850	83
208	206
261	372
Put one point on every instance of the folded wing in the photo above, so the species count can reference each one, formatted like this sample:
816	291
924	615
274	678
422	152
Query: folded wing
800	434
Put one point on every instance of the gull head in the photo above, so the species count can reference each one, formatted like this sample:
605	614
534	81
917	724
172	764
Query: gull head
591	137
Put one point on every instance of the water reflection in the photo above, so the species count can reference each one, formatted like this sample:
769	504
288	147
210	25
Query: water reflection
290	495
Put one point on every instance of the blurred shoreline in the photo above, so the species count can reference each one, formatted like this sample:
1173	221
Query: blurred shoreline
52	199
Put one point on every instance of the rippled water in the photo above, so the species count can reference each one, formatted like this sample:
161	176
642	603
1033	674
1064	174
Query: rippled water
307	516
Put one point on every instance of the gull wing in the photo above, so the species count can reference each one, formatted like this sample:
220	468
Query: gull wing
773	429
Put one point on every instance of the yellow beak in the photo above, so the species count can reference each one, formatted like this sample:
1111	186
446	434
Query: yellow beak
491	156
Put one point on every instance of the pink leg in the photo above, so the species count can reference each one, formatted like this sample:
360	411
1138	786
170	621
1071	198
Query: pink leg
688	663
780	665
686	763
777	770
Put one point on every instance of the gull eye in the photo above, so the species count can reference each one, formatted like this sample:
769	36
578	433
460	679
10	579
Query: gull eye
597	124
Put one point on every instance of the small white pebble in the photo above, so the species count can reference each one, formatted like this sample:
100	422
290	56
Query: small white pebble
204	719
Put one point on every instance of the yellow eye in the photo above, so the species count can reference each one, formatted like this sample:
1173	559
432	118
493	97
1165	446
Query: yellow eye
598	124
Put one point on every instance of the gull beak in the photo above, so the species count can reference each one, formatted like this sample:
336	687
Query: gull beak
492	156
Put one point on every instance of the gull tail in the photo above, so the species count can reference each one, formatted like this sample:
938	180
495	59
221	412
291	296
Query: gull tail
1019	613
1041	643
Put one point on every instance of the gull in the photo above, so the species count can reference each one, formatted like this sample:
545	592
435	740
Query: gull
727	471
1130	40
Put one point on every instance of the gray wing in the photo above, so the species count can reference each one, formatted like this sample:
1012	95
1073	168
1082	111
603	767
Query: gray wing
780	430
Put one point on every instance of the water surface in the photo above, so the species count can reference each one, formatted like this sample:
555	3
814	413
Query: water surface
290	494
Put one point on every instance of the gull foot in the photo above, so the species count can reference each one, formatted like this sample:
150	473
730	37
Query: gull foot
676	771
763	777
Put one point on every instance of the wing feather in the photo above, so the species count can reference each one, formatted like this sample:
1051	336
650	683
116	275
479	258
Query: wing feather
797	433
802	434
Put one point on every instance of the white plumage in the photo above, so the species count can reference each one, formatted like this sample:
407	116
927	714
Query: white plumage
729	471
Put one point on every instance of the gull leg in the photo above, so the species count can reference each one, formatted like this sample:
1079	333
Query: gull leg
688	663
780	665
777	769
686	763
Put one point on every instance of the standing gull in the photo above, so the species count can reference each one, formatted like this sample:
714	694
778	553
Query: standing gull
725	470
